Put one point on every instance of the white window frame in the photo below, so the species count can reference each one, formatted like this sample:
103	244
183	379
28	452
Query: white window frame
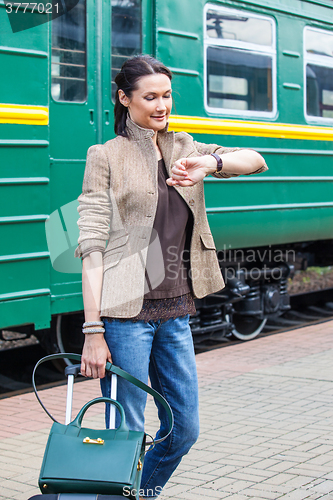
244	46
318	60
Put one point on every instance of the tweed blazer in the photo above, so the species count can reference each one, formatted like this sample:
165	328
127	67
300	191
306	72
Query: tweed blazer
117	208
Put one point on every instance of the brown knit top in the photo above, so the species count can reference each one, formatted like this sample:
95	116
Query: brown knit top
172	298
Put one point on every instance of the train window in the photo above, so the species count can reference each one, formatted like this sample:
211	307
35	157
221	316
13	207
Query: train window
68	55
126	34
240	59
318	58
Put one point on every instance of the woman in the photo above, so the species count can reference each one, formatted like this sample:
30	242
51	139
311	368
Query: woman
143	195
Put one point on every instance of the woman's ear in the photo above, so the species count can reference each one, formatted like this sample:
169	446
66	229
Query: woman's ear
123	99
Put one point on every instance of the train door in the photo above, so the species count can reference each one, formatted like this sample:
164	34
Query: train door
75	124
88	46
127	30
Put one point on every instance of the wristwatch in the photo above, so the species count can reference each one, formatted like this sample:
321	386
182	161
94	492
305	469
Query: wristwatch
219	163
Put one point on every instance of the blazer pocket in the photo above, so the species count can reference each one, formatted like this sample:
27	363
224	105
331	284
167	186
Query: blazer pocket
116	240
208	241
114	249
111	260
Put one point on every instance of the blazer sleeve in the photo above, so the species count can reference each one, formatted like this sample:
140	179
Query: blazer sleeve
95	206
207	149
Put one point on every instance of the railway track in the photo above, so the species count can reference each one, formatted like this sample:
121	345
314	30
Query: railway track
16	364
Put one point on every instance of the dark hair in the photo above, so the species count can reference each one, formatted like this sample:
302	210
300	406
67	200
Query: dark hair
126	80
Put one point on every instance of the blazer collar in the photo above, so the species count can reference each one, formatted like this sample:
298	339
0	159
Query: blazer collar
137	133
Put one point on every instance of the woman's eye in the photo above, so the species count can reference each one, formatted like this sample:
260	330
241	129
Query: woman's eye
149	98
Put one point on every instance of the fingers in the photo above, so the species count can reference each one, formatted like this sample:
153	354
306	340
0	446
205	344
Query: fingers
180	164
93	369
179	171
173	182
95	354
179	174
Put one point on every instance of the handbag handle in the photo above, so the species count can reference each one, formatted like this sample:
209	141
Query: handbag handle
112	369
79	417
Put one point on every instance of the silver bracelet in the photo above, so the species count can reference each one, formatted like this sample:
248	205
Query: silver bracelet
92	323
93	330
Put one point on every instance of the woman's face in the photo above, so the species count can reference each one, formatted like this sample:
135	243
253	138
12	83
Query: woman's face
151	103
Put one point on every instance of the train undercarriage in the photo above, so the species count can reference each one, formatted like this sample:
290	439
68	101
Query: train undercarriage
256	289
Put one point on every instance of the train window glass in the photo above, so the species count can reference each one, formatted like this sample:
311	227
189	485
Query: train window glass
126	34
238	80
238	26
228	85
319	43
318	58
68	55
240	62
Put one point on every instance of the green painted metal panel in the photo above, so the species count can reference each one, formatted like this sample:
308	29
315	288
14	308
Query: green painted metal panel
247	193
240	229
23	160
25	56
67	297
65	286
34	90
24	275
24	180
71	133
30	198
35	310
22	236
31	39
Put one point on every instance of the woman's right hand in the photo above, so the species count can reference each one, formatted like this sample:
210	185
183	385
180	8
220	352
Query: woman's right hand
95	354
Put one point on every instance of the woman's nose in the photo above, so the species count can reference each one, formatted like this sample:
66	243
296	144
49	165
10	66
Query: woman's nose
160	105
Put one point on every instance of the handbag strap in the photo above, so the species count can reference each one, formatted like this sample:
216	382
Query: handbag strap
112	369
78	419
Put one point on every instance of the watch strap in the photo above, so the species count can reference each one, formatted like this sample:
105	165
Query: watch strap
219	163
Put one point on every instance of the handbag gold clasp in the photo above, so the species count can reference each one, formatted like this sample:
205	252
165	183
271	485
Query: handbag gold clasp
93	441
139	467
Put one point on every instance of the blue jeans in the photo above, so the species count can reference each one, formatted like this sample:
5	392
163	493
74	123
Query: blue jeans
164	351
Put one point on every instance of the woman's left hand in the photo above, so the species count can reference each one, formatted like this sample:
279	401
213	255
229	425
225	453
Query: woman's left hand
189	171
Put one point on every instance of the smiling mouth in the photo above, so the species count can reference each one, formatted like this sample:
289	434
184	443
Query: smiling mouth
158	117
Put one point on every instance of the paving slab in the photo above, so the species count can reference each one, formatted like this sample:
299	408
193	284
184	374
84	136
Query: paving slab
266	410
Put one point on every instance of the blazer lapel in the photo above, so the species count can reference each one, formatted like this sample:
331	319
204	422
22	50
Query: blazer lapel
166	142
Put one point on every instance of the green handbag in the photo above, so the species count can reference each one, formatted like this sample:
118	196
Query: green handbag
107	461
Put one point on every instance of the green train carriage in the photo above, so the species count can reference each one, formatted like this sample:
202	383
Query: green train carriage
249	74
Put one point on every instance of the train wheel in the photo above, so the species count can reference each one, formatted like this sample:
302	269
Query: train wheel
246	327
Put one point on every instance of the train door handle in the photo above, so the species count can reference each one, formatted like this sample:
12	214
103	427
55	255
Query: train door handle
91	113
107	117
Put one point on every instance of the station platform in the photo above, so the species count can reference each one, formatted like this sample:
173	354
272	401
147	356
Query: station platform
266	409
